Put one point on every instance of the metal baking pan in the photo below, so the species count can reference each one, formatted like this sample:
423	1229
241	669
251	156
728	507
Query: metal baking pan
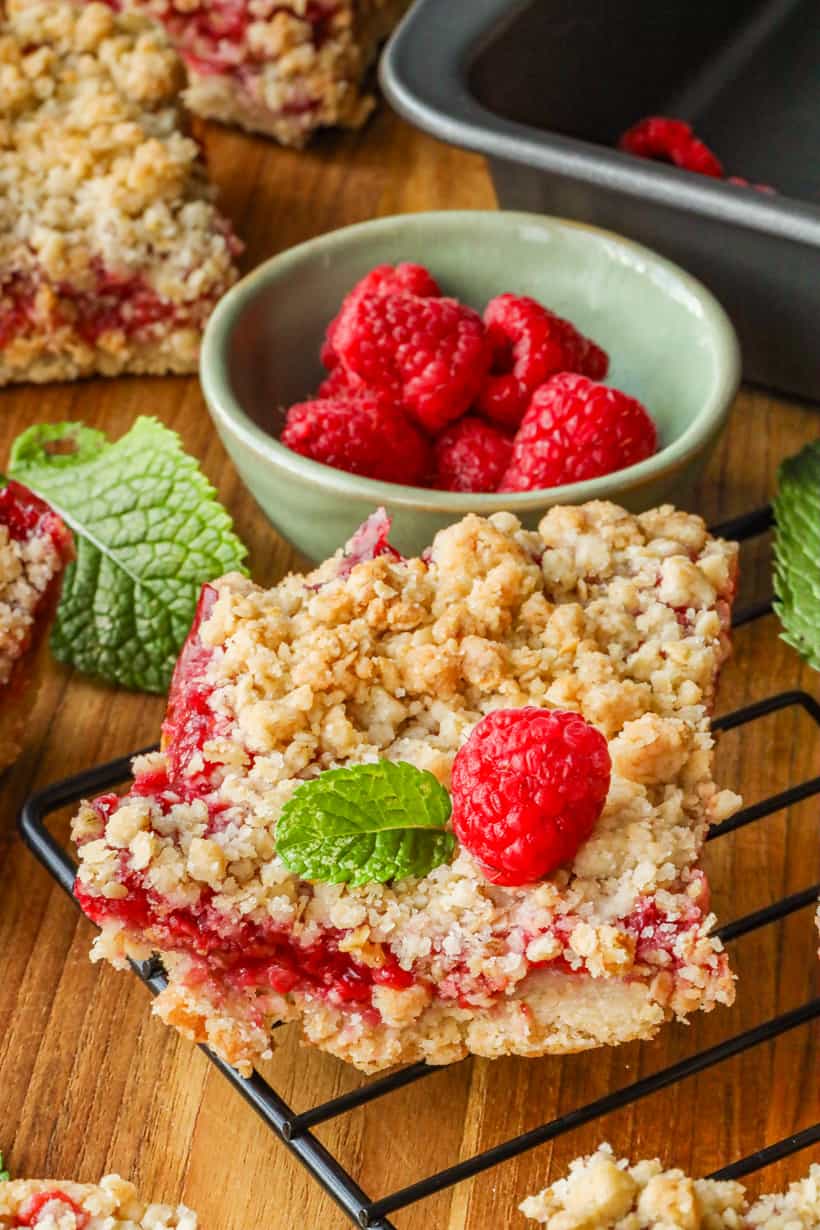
543	88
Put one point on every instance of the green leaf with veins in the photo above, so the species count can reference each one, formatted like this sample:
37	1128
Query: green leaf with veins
148	532
797	552
366	824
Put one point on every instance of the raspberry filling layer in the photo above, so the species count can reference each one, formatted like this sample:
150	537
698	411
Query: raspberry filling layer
244	956
115	304
32	1210
25	515
230	956
213	39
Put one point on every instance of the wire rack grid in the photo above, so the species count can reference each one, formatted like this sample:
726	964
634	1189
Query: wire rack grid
295	1128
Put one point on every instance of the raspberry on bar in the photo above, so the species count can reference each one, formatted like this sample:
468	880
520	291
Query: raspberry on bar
280	68
112	252
109	1205
600	1193
623	620
35	547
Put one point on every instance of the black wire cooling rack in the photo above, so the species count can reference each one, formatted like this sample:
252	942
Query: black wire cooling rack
294	1129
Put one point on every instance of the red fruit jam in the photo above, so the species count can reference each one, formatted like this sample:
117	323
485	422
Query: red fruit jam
31	1211
24	514
189	720
241	955
212	38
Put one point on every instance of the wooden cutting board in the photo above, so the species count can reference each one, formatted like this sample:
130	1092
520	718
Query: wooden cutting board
90	1082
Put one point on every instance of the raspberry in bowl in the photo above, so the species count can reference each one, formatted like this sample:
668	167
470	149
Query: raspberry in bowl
312	325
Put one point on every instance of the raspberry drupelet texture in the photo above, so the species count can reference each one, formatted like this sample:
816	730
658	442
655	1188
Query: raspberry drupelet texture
470	455
383	280
430	354
528	787
530	344
339	383
363	434
668	140
576	429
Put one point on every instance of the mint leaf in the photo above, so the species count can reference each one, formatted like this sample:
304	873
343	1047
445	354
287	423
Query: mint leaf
4	1174
148	533
366	824
797	552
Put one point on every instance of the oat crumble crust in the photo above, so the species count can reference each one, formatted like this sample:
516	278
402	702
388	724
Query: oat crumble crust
292	68
111	1203
112	251
622	618
600	1193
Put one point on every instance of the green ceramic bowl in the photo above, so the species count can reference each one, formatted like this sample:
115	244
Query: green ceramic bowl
670	343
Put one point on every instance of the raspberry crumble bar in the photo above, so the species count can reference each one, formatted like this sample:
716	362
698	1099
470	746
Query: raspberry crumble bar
622	619
600	1193
35	547
284	69
112	252
112	1203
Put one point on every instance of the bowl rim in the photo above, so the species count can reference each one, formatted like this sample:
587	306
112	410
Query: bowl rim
226	410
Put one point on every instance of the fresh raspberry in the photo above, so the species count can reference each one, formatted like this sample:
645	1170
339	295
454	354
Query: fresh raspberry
470	455
666	140
384	279
576	429
530	344
432	355
364	434
339	383
528	787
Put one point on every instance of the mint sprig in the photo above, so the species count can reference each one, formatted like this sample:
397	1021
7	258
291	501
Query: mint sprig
4	1174
366	824
797	552
148	532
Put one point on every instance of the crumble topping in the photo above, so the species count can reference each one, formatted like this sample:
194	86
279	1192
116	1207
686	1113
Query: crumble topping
600	1193
111	247
621	618
49	1205
284	69
27	568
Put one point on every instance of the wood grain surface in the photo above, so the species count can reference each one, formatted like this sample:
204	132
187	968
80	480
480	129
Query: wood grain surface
90	1082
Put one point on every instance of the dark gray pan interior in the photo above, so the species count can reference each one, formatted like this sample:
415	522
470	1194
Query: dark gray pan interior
544	87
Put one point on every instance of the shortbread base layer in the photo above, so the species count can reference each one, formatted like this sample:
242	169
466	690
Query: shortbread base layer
229	101
554	1014
551	1013
178	355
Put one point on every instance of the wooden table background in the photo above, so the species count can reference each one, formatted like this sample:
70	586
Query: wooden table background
90	1082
